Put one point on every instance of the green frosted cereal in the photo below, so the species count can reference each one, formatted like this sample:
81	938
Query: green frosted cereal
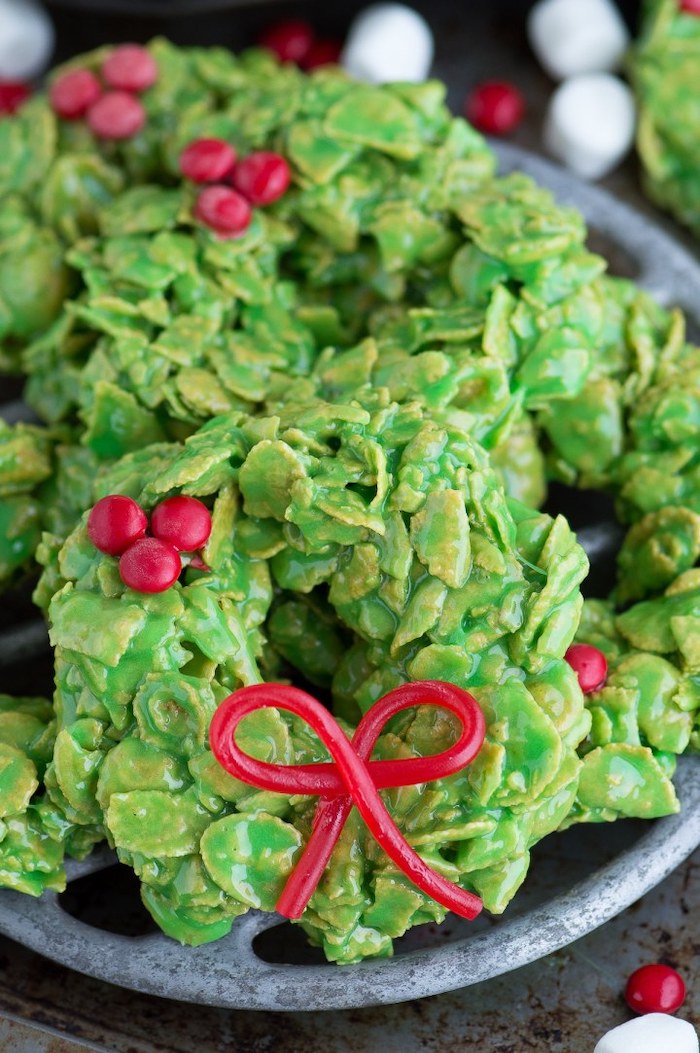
663	66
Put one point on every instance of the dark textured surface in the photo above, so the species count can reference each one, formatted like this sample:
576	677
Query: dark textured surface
562	1003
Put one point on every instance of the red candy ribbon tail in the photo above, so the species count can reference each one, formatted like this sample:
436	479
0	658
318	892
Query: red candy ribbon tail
330	818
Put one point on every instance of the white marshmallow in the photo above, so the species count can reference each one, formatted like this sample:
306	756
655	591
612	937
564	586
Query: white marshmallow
577	36
388	42
26	39
590	123
653	1033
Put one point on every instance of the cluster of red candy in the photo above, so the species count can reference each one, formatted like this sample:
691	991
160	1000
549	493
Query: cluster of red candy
117	525
110	106
295	41
234	186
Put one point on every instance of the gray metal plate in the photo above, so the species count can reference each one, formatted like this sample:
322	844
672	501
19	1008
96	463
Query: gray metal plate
231	974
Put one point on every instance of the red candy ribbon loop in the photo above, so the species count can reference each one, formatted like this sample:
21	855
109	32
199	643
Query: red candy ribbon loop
352	778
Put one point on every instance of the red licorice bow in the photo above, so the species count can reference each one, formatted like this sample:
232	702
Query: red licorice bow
352	778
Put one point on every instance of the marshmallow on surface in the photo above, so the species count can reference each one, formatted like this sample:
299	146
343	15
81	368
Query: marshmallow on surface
26	39
570	37
590	123
388	42
653	1033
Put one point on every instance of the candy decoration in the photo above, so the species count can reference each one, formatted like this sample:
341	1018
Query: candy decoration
207	160
72	94
224	210
291	41
12	94
262	177
691	7
184	522
655	989
589	664
654	1033
324	52
26	39
150	565
388	42
570	37
130	68
116	115
495	107
115	523
590	123
352	778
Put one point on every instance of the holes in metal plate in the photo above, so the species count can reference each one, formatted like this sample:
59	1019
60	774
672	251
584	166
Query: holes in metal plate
286	944
108	900
620	262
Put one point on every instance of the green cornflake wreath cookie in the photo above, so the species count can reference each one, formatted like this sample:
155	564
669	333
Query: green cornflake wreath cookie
369	389
663	68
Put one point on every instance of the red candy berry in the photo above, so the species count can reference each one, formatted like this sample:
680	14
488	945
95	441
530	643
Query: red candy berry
262	177
207	160
691	7
495	107
130	68
322	53
291	41
73	94
114	523
12	94
183	522
150	565
655	989
224	210
117	115
589	664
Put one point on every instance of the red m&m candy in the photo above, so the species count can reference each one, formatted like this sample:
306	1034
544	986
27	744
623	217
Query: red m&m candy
182	521
150	565
691	7
114	523
74	93
589	664
290	41
12	94
322	53
655	989
495	107
116	115
130	68
262	177
224	210
207	160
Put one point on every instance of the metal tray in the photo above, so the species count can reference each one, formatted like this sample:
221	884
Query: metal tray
259	966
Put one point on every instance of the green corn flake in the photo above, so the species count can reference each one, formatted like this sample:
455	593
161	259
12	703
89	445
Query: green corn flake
249	857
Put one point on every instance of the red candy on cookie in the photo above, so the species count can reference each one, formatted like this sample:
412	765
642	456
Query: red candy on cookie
114	523
116	115
207	160
130	68
72	94
655	989
12	94
495	107
291	41
183	522
262	177
589	664
322	53
150	565
224	210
